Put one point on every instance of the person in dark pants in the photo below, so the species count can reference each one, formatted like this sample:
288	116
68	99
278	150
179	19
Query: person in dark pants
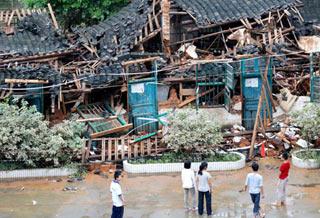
254	182
117	196
204	187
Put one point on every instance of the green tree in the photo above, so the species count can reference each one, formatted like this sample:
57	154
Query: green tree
309	120
75	12
192	132
28	139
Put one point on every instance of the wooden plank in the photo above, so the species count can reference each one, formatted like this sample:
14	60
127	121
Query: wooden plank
23	12
138	61
110	131
116	154
154	14
142	148
146	32
18	14
11	17
188	101
55	23
88	149
156	145
92	119
109	149
129	148
256	124
33	81
149	146
103	154
122	149
135	151
83	156
7	17
150	22
1	15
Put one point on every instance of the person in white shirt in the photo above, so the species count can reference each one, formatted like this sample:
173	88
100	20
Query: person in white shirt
204	188
189	184
254	182
117	196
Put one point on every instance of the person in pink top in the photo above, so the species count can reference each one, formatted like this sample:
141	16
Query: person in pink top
283	180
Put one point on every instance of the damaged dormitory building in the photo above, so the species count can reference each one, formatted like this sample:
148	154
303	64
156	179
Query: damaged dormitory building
153	55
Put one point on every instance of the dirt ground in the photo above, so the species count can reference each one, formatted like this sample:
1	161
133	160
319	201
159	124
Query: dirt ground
159	196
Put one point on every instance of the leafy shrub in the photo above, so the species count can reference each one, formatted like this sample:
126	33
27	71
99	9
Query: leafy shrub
193	132
309	120
309	155
26	138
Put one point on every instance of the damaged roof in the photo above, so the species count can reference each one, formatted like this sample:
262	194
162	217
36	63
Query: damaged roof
104	75
116	34
34	34
219	11
29	73
311	10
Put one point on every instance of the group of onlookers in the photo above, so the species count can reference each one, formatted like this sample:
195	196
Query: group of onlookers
201	182
254	184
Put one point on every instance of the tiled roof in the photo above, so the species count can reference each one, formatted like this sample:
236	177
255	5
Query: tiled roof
123	27
40	73
311	10
33	35
218	11
103	76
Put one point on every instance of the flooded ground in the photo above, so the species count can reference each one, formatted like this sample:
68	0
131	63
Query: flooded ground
158	196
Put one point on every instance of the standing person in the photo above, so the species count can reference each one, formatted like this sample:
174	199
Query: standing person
254	182
204	188
283	179
117	196
189	184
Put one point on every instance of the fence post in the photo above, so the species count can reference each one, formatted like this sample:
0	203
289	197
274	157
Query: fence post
103	155
109	150
149	146
122	150
116	149
83	152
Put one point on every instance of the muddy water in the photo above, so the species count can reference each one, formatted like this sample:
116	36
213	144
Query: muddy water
160	196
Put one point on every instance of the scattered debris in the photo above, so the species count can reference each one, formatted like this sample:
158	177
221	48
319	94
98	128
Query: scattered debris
70	189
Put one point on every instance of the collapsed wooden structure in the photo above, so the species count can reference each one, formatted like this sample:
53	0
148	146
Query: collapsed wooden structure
153	54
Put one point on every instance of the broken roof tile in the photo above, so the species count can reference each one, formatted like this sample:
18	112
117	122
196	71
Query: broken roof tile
34	34
123	26
310	10
219	11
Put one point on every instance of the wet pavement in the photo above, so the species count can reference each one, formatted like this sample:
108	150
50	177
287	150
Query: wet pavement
157	196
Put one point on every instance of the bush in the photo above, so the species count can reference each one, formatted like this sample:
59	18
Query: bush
309	155
309	120
26	138
193	132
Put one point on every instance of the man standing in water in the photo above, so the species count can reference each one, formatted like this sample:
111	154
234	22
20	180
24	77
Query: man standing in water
117	196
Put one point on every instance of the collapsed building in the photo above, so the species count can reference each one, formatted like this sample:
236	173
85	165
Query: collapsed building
122	73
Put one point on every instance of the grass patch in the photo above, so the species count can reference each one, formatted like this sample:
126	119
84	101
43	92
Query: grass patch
173	157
